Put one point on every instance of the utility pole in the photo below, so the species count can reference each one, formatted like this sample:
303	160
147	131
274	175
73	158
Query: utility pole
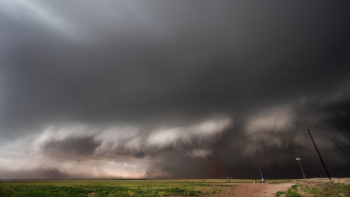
308	130
298	159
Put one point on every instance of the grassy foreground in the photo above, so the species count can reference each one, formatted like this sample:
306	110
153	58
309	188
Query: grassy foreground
326	189
329	189
191	187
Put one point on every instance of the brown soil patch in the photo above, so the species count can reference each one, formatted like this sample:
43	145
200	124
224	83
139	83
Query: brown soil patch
254	189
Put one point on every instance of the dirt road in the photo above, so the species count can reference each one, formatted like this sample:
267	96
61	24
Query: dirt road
258	189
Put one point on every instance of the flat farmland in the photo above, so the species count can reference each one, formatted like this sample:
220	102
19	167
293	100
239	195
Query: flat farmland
180	187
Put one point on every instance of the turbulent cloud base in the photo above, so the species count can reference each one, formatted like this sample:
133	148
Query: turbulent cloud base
115	152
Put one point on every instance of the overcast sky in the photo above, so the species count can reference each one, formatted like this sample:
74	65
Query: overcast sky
173	89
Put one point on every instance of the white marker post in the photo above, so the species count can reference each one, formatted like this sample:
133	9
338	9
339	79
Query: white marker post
262	179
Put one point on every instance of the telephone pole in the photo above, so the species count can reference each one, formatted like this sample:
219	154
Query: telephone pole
298	159
308	130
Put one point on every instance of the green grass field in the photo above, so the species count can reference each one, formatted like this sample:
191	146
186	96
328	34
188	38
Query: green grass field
184	187
323	189
327	189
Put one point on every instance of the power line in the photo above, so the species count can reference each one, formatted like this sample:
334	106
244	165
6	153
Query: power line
344	93
339	84
334	72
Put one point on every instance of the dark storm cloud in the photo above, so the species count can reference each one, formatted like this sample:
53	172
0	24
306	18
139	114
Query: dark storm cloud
81	146
132	81
277	140
140	155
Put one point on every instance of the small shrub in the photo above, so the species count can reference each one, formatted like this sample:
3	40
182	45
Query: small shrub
279	193
292	192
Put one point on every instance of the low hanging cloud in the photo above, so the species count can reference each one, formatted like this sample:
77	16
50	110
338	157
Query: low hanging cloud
199	153
175	137
277	130
85	140
275	120
115	147
266	129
